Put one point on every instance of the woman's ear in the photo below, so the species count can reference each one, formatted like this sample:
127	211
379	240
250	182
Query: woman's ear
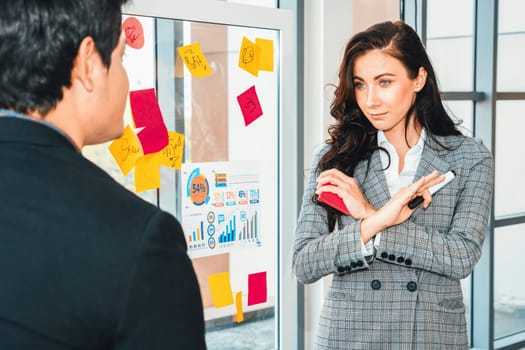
421	79
85	63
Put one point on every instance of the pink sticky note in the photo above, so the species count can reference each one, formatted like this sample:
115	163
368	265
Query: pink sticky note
153	138
257	290
146	114
134	32
250	106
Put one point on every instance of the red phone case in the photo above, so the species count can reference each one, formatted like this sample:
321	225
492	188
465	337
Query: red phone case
334	201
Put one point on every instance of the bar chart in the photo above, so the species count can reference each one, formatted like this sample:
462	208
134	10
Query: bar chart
248	230
197	235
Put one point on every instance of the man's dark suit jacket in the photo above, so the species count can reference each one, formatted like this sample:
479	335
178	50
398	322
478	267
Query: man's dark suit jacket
84	263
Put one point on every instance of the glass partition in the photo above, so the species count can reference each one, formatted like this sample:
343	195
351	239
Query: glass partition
213	90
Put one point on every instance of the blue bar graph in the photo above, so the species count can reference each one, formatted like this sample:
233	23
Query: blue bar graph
229	233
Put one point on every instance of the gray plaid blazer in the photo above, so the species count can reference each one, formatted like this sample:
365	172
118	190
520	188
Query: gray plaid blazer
408	295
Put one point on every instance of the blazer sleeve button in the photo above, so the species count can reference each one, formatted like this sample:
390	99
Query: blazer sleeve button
375	284
360	263
353	264
391	257
412	286
400	260
384	255
348	268
408	262
340	269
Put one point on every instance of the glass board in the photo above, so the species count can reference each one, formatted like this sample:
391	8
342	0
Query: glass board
202	141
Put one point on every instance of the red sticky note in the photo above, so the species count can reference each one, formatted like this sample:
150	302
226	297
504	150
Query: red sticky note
134	32
250	106
257	290
146	113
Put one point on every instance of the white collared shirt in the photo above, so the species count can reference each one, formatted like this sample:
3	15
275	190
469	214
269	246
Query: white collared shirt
395	179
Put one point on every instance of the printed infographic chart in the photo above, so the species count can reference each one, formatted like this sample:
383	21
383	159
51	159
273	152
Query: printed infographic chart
220	207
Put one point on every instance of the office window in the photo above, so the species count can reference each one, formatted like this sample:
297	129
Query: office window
509	172
509	205
449	42
462	112
509	298
511	46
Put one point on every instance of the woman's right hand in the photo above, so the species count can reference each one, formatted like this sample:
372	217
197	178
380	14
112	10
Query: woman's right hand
347	188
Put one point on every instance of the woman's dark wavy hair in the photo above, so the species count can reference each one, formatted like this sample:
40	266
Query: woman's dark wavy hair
39	40
352	138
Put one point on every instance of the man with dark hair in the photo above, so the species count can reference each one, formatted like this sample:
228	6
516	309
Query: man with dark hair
84	263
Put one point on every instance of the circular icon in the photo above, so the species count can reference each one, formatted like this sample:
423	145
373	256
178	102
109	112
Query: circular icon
199	190
211	242
211	217
211	230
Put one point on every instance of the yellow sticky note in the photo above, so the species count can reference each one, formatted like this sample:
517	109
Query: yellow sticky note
266	54
126	150
221	290
249	57
147	172
238	306
171	155
194	59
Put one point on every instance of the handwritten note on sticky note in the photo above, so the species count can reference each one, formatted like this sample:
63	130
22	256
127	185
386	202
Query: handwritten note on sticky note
266	54
147	172
221	290
238	306
172	153
126	150
250	106
134	32
194	59
257	290
146	113
249	56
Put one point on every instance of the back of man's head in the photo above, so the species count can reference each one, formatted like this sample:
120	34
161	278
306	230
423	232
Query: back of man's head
39	40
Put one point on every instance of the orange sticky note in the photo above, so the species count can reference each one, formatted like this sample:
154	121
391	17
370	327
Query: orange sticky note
171	155
257	292
194	59
221	290
134	32
250	106
126	150
146	113
238	306
147	172
249	57
266	54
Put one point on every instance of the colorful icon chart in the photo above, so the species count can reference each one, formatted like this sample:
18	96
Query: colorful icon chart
227	216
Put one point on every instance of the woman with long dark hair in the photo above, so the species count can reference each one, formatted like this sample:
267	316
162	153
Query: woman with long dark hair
396	247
